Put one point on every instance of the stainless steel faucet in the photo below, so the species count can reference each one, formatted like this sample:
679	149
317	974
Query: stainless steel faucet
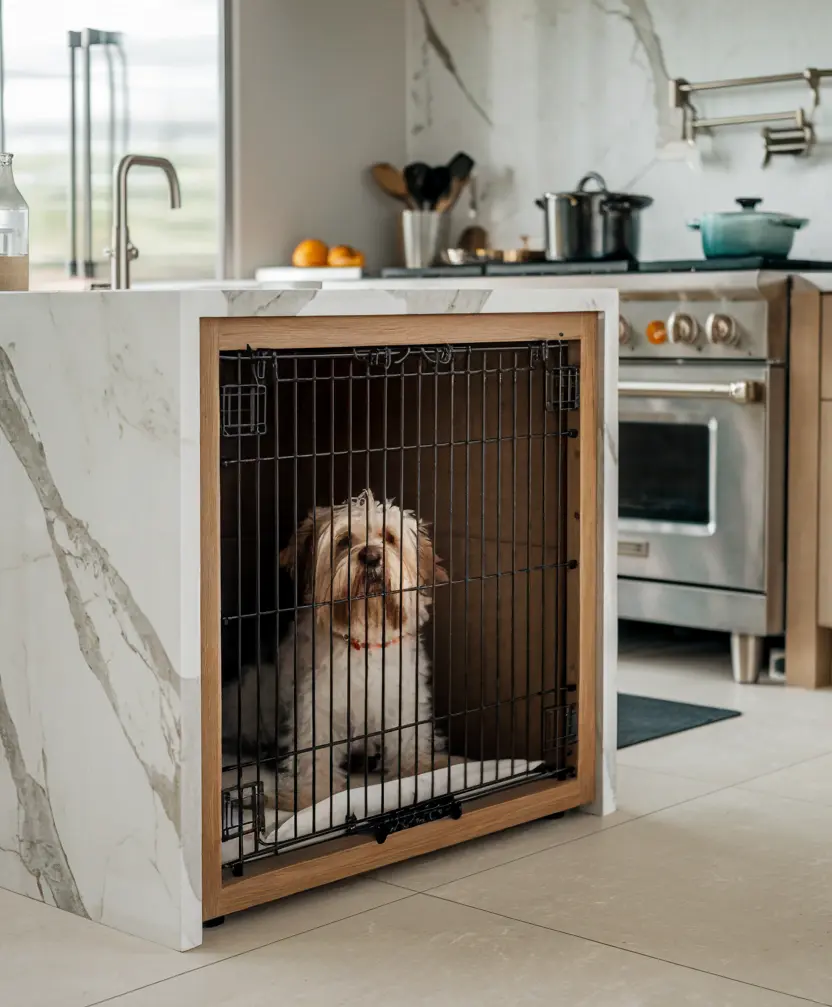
122	251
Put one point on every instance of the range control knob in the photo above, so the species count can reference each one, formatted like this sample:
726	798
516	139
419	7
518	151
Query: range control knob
625	333
683	328
722	330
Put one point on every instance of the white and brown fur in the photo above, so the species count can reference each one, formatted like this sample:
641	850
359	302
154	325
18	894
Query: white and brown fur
366	570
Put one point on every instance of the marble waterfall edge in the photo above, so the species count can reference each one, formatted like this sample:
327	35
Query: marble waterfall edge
99	584
93	692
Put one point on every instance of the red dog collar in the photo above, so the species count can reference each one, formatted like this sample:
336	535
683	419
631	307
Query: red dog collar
358	645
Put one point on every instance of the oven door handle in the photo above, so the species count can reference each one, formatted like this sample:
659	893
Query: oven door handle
741	392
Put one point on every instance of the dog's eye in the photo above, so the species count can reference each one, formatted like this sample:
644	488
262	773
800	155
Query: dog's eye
344	542
391	538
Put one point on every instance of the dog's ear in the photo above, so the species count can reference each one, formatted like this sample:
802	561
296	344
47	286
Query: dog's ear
431	570
300	548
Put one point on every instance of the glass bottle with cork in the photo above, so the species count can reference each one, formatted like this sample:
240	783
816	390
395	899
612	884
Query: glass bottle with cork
14	231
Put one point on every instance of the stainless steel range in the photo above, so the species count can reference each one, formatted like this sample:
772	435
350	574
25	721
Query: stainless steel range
702	457
702	438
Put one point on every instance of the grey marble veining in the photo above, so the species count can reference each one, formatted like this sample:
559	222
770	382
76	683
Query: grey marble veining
37	843
89	576
434	42
263	303
441	302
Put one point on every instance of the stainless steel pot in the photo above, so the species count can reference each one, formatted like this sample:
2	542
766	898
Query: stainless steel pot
588	225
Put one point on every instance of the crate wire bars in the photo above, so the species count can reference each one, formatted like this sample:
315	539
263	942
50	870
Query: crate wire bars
470	439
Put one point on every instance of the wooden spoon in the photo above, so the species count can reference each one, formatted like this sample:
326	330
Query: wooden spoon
390	180
449	201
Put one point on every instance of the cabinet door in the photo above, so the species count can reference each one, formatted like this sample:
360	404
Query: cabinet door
825	517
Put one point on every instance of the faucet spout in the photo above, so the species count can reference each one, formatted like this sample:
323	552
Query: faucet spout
122	252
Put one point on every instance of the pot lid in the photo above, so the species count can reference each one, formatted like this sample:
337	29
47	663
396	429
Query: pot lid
581	192
748	207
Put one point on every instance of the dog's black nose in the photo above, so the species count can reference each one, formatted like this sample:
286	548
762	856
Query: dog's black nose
370	555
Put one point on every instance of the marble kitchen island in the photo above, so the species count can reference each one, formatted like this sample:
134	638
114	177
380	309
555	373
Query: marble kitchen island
100	767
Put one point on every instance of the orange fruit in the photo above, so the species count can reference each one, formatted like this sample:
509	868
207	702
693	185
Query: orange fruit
310	252
345	255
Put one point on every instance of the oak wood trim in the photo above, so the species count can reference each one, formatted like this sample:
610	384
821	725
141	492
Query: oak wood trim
808	646
342	858
826	348
825	517
588	557
209	452
327	331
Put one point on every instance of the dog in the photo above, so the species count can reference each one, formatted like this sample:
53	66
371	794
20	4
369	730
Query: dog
353	674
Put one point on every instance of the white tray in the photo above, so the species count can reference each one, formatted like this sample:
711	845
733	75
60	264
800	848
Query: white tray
280	274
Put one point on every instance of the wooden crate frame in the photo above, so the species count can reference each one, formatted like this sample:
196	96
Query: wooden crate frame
334	859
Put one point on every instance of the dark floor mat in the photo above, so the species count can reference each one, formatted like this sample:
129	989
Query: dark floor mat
641	718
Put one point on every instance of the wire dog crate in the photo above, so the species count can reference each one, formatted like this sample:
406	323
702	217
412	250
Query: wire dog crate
399	593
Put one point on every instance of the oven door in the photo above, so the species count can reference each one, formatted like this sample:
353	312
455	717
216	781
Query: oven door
696	471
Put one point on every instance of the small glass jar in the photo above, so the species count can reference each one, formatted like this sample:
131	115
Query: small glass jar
14	231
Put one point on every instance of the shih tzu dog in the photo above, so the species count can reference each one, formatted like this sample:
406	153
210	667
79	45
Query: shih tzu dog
353	667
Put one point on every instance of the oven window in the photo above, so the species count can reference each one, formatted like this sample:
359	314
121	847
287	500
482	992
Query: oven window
665	472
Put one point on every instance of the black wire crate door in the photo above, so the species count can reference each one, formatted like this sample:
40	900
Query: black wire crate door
394	572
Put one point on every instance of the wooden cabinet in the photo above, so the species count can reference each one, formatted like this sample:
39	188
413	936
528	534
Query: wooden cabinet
825	516
809	532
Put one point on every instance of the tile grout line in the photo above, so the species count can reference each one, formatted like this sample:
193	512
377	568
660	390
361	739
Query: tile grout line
738	783
631	951
781	797
259	947
568	842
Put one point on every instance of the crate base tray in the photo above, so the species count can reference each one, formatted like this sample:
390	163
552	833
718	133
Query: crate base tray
334	815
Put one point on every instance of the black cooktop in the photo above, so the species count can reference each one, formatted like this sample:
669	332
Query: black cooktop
607	267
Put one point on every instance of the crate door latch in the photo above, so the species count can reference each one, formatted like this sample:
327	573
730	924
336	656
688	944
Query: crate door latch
563	388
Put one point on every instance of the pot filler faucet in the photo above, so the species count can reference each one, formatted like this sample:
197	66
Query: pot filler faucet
122	251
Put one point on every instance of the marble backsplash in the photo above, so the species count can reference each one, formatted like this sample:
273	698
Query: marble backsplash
541	91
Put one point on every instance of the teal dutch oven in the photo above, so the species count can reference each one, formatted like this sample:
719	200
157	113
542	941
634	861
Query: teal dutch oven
747	232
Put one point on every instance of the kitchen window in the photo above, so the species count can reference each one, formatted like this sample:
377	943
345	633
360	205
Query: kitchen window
172	55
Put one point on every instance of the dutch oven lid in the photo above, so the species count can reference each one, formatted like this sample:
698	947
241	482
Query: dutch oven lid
748	207
622	199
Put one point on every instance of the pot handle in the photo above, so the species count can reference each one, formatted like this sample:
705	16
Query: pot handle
592	176
540	204
794	222
694	225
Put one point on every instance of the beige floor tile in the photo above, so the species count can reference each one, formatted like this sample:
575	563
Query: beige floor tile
640	792
287	917
50	958
491	851
736	883
644	791
810	781
731	751
423	951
